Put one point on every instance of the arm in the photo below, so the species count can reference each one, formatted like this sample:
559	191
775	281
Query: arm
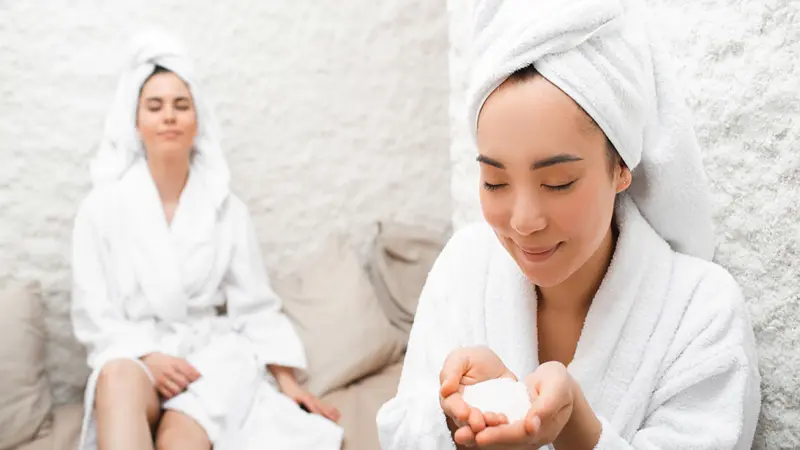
708	397
413	419
98	322
254	307
285	378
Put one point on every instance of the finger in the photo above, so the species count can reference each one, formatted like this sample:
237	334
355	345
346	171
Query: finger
464	436
551	401
533	424
454	406
163	392
333	414
512	434
453	369
188	370
179	379
476	421
312	405
495	419
166	389
172	387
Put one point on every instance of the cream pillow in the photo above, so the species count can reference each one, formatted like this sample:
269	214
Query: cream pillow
24	390
335	311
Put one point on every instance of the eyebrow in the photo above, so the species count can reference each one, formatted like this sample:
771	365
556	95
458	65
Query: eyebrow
160	99
540	164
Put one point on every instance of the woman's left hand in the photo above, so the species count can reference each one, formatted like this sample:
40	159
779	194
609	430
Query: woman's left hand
552	391
311	403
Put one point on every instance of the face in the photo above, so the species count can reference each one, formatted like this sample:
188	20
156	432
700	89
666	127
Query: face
166	119
546	186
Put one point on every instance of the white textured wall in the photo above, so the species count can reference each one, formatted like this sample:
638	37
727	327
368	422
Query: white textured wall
740	62
334	115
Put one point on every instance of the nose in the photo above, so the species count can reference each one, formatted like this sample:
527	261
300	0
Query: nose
169	114
528	215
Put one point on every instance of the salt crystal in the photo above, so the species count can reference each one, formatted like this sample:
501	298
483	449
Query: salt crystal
502	395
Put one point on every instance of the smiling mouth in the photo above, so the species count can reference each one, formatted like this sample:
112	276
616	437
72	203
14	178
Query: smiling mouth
539	254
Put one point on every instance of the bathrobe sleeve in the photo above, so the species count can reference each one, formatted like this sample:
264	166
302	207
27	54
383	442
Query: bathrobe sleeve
98	319
413	419
708	396
251	302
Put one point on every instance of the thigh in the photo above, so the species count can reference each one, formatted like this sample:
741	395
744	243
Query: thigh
126	383
178	431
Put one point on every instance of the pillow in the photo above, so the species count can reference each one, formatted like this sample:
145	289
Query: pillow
402	257
24	392
336	314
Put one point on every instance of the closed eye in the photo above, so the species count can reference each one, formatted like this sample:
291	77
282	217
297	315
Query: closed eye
559	187
492	187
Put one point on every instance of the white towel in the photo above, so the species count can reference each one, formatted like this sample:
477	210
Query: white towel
120	146
600	54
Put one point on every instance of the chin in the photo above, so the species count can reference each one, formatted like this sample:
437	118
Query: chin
548	273
173	151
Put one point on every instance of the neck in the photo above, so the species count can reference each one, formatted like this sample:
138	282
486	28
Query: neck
170	177
574	296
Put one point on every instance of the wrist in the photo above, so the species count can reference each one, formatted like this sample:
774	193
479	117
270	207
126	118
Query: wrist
582	430
285	378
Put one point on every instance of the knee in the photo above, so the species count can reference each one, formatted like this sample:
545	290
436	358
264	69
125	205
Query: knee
119	380
172	438
179	432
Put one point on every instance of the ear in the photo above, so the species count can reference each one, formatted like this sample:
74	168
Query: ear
624	178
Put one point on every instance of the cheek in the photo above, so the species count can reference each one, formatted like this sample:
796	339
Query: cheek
188	123
496	208
147	124
589	215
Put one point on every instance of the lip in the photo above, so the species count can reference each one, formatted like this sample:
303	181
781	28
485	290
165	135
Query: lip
539	254
170	134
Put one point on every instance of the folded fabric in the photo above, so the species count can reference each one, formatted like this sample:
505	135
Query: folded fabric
601	54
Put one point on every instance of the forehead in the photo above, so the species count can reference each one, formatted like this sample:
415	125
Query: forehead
165	85
534	119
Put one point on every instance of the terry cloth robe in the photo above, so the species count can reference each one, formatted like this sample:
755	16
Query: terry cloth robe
666	357
142	285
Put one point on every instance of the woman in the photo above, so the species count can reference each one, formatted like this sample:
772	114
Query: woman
161	248
590	280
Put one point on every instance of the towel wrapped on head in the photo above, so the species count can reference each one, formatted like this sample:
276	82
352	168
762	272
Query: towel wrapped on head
120	145
601	54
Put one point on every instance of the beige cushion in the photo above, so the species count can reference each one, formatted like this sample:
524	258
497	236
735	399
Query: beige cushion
333	307
24	390
359	404
64	432
403	255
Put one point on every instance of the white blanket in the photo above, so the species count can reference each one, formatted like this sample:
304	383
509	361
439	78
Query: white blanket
666	357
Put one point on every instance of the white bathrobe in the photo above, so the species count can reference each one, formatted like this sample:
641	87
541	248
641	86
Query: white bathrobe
666	357
142	285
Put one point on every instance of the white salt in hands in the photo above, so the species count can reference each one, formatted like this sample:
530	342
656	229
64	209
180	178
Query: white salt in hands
500	396
465	367
488	421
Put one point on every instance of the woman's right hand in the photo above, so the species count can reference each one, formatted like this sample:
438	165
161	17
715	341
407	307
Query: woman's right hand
172	375
464	367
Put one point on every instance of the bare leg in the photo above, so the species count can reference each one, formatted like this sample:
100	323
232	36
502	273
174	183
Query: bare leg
177	431
127	407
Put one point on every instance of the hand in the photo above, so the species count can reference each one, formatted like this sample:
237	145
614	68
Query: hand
464	367
552	390
172	375
311	403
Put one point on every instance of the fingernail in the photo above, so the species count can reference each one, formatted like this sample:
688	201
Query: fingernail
536	422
